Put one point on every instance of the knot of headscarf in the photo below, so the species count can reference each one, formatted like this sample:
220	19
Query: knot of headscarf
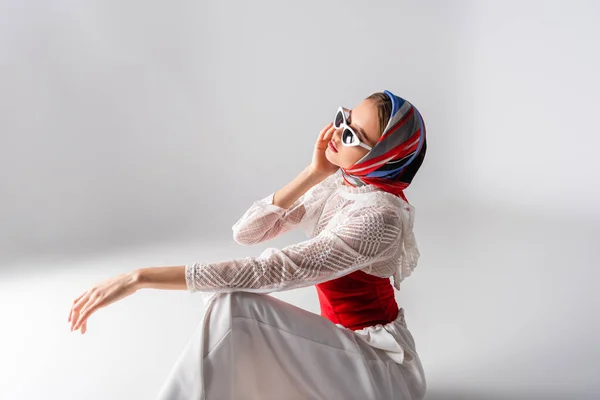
386	164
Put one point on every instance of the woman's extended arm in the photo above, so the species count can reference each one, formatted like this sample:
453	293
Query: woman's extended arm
366	238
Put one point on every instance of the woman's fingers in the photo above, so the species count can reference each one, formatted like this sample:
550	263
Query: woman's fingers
100	296
89	308
77	307
72	306
324	131
330	132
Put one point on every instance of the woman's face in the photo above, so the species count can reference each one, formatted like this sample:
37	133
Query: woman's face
364	121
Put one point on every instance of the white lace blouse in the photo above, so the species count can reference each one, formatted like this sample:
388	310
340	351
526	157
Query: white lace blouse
348	229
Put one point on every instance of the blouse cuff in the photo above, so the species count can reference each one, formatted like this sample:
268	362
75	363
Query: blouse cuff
189	277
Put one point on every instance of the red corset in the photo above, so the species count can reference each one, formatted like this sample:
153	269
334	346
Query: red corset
358	300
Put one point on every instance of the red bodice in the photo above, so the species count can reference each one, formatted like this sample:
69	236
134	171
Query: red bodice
358	300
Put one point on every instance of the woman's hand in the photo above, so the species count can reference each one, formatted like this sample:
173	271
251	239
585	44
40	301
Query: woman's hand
99	296
320	164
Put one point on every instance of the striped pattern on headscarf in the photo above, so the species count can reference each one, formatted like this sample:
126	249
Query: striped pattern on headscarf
393	161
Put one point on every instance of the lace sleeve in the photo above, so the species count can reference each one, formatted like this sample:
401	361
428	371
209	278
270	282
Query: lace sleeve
365	236
264	220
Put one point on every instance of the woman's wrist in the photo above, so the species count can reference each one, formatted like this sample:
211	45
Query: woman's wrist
318	175
135	278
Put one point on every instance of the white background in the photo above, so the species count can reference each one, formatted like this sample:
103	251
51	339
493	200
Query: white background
135	134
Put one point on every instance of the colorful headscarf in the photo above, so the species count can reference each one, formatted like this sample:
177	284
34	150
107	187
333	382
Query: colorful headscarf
393	161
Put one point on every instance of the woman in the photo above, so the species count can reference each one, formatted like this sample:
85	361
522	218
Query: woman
359	224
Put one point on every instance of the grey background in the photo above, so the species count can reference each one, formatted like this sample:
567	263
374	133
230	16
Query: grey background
135	134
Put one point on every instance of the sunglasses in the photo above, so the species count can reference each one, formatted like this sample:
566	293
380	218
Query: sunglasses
349	137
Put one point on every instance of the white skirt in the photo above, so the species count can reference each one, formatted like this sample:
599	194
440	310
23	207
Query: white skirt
252	346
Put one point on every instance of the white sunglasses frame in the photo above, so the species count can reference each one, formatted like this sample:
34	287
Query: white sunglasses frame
356	140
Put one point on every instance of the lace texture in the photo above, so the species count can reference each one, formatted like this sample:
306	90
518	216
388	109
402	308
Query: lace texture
349	229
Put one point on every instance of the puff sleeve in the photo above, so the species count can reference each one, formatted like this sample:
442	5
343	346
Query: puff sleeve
264	220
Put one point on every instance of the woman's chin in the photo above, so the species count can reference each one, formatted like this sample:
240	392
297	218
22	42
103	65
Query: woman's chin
330	157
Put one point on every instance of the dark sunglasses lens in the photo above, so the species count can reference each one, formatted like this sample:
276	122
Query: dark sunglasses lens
339	118
347	136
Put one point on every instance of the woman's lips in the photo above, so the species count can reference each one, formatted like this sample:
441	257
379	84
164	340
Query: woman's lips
332	147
